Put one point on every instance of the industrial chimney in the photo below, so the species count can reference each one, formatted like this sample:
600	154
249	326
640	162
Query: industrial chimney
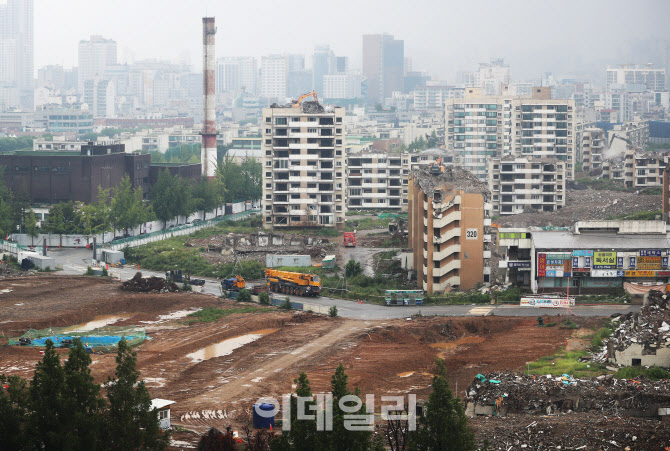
208	148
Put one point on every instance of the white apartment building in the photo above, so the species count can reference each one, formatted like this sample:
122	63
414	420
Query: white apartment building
434	97
274	76
652	78
519	184
235	73
100	96
644	169
592	146
490	77
479	128
343	86
304	179
377	180
94	56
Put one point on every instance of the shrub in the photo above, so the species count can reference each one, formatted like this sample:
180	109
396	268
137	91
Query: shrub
597	340
89	271
509	296
568	324
353	268
286	305
104	273
332	312
244	296
186	287
264	298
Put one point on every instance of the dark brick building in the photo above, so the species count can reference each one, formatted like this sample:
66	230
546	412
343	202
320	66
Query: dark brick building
185	171
52	177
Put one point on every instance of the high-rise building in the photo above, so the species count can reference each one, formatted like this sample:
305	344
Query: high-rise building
341	87
94	56
16	53
52	76
236	73
490	77
274	76
100	96
482	127
383	66
321	66
304	180
651	78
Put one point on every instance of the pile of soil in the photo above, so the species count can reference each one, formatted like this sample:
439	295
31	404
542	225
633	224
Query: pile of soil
139	284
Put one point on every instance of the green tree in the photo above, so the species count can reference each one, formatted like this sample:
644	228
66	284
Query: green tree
13	412
444	426
303	435
264	298
352	268
340	438
131	423
7	219
63	219
81	400
252	174
30	226
206	195
164	196
94	217
244	296
48	418
127	209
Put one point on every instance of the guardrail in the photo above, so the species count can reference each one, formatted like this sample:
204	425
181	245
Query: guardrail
12	248
185	229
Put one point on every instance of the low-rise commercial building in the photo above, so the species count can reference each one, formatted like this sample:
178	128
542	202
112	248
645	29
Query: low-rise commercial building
519	184
592	256
449	219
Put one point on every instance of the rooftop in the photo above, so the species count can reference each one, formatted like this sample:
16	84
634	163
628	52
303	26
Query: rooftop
568	240
452	178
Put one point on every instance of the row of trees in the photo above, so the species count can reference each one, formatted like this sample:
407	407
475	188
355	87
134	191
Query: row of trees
443	426
122	207
63	407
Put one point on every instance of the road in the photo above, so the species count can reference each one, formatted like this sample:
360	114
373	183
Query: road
75	261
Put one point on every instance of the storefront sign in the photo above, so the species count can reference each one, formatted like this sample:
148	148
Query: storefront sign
604	260
575	262
546	302
662	273
556	273
541	265
650	253
619	262
555	262
648	263
587	262
580	270
664	262
518	264
582	253
640	274
561	256
607	273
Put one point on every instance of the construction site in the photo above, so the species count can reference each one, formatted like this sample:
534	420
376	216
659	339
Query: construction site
215	370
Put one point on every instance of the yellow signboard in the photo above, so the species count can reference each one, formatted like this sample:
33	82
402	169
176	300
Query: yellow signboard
604	260
648	263
640	273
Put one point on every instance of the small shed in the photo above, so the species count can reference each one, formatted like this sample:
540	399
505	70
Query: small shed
328	262
111	257
42	262
273	261
162	407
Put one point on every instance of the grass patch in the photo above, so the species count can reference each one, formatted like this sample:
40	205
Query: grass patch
603	184
250	224
210	314
633	372
638	216
566	362
600	335
370	223
568	324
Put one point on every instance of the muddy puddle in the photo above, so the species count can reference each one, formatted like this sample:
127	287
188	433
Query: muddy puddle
227	347
98	321
172	316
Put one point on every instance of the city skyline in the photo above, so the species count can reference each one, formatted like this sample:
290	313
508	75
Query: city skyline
503	32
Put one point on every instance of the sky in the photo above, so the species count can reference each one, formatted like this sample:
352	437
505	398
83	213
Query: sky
441	36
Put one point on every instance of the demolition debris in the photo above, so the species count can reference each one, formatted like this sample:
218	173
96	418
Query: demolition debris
139	284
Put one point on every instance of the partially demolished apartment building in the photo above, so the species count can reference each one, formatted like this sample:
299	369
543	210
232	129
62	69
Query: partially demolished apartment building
449	221
303	166
592	257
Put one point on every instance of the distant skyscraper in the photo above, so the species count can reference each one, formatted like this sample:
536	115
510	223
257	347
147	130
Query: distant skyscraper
650	77
383	65
321	62
274	76
94	56
16	53
236	73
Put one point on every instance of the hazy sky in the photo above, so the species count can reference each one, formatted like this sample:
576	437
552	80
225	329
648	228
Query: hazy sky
441	36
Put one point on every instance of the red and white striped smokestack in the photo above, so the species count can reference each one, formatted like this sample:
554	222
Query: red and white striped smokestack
208	149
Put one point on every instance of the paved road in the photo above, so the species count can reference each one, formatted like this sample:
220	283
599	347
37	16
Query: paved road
75	261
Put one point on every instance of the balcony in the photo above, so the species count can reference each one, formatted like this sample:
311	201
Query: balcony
444	253
449	234
446	269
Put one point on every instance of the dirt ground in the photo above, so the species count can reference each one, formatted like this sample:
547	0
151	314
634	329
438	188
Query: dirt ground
178	361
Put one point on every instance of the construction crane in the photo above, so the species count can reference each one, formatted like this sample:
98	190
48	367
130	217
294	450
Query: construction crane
297	103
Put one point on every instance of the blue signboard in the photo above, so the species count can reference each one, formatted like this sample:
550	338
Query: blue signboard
619	262
575	262
632	262
582	253
551	273
621	273
587	262
518	264
555	262
650	253
664	261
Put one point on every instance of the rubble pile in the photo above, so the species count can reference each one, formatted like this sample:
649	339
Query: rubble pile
585	431
650	328
501	394
139	284
586	205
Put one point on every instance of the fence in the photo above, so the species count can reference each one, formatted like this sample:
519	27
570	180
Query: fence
304	306
185	229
